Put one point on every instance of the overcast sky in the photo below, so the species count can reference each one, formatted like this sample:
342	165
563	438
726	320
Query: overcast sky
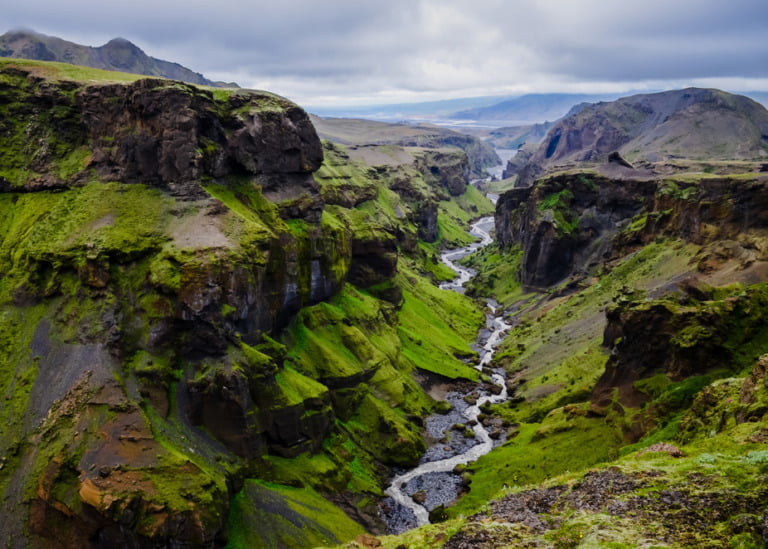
346	52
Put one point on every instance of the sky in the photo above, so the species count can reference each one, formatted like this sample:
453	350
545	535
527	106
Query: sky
358	52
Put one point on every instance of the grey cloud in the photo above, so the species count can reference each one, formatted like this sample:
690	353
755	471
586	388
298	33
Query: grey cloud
354	48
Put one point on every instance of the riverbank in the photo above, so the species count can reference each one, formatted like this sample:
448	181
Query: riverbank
461	435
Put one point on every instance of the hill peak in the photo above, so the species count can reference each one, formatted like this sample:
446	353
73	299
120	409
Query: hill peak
119	54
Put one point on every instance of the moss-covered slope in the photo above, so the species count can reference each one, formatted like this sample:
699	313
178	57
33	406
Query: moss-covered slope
635	372
184	305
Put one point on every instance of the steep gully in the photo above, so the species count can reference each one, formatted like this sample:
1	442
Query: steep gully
433	482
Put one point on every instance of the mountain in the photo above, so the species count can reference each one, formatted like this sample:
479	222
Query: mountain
530	109
116	55
760	97
693	124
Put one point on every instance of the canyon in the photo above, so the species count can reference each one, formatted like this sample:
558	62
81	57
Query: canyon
219	329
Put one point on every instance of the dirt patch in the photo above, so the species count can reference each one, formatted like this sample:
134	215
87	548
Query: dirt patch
204	229
381	156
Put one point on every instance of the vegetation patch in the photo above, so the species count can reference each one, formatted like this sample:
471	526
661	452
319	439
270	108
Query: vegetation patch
267	515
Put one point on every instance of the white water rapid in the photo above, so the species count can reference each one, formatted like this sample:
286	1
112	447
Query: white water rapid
495	330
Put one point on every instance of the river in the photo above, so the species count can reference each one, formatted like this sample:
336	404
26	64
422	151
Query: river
434	481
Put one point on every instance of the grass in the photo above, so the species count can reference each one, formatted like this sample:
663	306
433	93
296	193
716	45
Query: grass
497	274
65	71
559	444
267	515
435	327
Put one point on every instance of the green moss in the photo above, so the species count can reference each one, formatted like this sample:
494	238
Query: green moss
436	327
73	163
653	386
559	204
66	71
386	433
498	274
18	371
266	515
432	264
296	388
452	223
563	442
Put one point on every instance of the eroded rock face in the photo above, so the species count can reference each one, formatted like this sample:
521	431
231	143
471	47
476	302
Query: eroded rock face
174	136
447	169
162	133
674	340
566	224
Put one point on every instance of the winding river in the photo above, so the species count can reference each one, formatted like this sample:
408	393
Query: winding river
433	481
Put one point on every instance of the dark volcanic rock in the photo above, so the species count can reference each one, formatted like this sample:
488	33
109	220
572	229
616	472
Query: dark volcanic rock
663	337
167	135
565	222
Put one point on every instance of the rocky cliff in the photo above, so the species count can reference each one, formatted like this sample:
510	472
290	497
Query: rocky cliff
184	305
568	224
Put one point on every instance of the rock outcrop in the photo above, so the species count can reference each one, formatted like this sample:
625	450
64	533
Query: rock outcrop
565	223
569	223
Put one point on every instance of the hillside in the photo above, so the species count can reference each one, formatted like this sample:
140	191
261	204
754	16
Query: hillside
636	360
209	317
656	131
116	55
219	329
358	132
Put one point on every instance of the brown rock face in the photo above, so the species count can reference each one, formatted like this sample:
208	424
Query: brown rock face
162	133
567	223
446	169
678	341
173	135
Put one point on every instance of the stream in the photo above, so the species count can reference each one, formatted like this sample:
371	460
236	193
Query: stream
433	481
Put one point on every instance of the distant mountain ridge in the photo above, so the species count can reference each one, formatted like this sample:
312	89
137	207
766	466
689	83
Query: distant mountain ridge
118	54
532	108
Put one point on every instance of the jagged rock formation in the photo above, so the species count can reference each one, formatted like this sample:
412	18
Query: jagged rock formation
566	224
181	306
675	341
116	55
519	160
690	124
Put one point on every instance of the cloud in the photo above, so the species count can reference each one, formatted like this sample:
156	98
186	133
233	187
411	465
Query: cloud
345	50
